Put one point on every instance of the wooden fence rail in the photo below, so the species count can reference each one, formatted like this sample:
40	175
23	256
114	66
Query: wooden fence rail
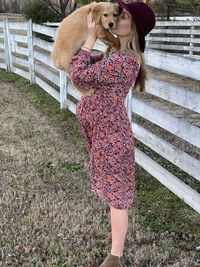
24	53
177	37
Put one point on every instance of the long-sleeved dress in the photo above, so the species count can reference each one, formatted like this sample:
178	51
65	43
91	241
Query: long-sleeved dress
104	123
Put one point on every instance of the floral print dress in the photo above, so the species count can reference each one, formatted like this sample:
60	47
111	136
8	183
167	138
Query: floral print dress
104	123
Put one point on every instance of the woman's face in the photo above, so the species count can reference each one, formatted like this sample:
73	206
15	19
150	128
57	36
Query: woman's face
124	24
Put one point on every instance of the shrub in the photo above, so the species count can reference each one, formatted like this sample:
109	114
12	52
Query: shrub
39	11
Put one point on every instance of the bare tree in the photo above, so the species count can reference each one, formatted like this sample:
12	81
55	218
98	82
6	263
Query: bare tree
60	6
166	8
4	6
14	6
1	6
10	6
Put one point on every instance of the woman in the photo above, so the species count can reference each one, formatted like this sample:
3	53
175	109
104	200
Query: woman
103	118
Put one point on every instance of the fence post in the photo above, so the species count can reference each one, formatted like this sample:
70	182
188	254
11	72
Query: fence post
191	43
63	89
7	46
128	104
147	40
31	51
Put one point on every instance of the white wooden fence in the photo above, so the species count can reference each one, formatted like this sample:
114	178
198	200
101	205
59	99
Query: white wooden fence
176	36
23	53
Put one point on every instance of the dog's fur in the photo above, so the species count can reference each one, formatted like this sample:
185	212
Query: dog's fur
72	31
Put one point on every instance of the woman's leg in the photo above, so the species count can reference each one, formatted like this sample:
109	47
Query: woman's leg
119	226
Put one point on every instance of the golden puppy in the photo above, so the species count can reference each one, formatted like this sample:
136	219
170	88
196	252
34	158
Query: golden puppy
72	31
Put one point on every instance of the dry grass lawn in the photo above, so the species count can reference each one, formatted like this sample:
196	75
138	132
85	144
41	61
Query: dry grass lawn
48	216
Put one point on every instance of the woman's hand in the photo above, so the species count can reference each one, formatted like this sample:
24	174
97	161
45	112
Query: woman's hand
92	33
92	27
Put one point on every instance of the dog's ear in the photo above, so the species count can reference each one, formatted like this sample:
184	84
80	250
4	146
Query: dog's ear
96	12
118	9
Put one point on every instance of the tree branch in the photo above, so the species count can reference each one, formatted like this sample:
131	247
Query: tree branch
54	7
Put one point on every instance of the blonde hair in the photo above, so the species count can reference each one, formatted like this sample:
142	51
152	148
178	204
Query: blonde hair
133	46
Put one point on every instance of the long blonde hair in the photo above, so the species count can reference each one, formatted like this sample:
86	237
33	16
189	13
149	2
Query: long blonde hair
133	46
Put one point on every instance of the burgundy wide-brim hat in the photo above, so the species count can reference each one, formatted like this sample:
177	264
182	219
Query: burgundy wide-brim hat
143	17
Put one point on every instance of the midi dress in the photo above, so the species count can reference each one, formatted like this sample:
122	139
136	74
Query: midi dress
104	124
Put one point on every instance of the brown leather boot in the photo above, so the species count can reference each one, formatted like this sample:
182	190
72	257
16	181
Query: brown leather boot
113	261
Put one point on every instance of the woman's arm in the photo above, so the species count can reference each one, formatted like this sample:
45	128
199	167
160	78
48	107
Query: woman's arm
117	67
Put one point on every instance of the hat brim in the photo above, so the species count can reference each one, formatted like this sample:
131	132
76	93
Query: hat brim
140	29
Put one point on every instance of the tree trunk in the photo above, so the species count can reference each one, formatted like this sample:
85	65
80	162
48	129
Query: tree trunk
168	11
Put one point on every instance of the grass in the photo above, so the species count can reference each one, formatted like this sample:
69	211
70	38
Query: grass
174	212
56	220
45	103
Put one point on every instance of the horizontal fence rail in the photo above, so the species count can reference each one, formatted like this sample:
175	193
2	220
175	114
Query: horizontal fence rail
186	98
25	50
184	66
182	37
